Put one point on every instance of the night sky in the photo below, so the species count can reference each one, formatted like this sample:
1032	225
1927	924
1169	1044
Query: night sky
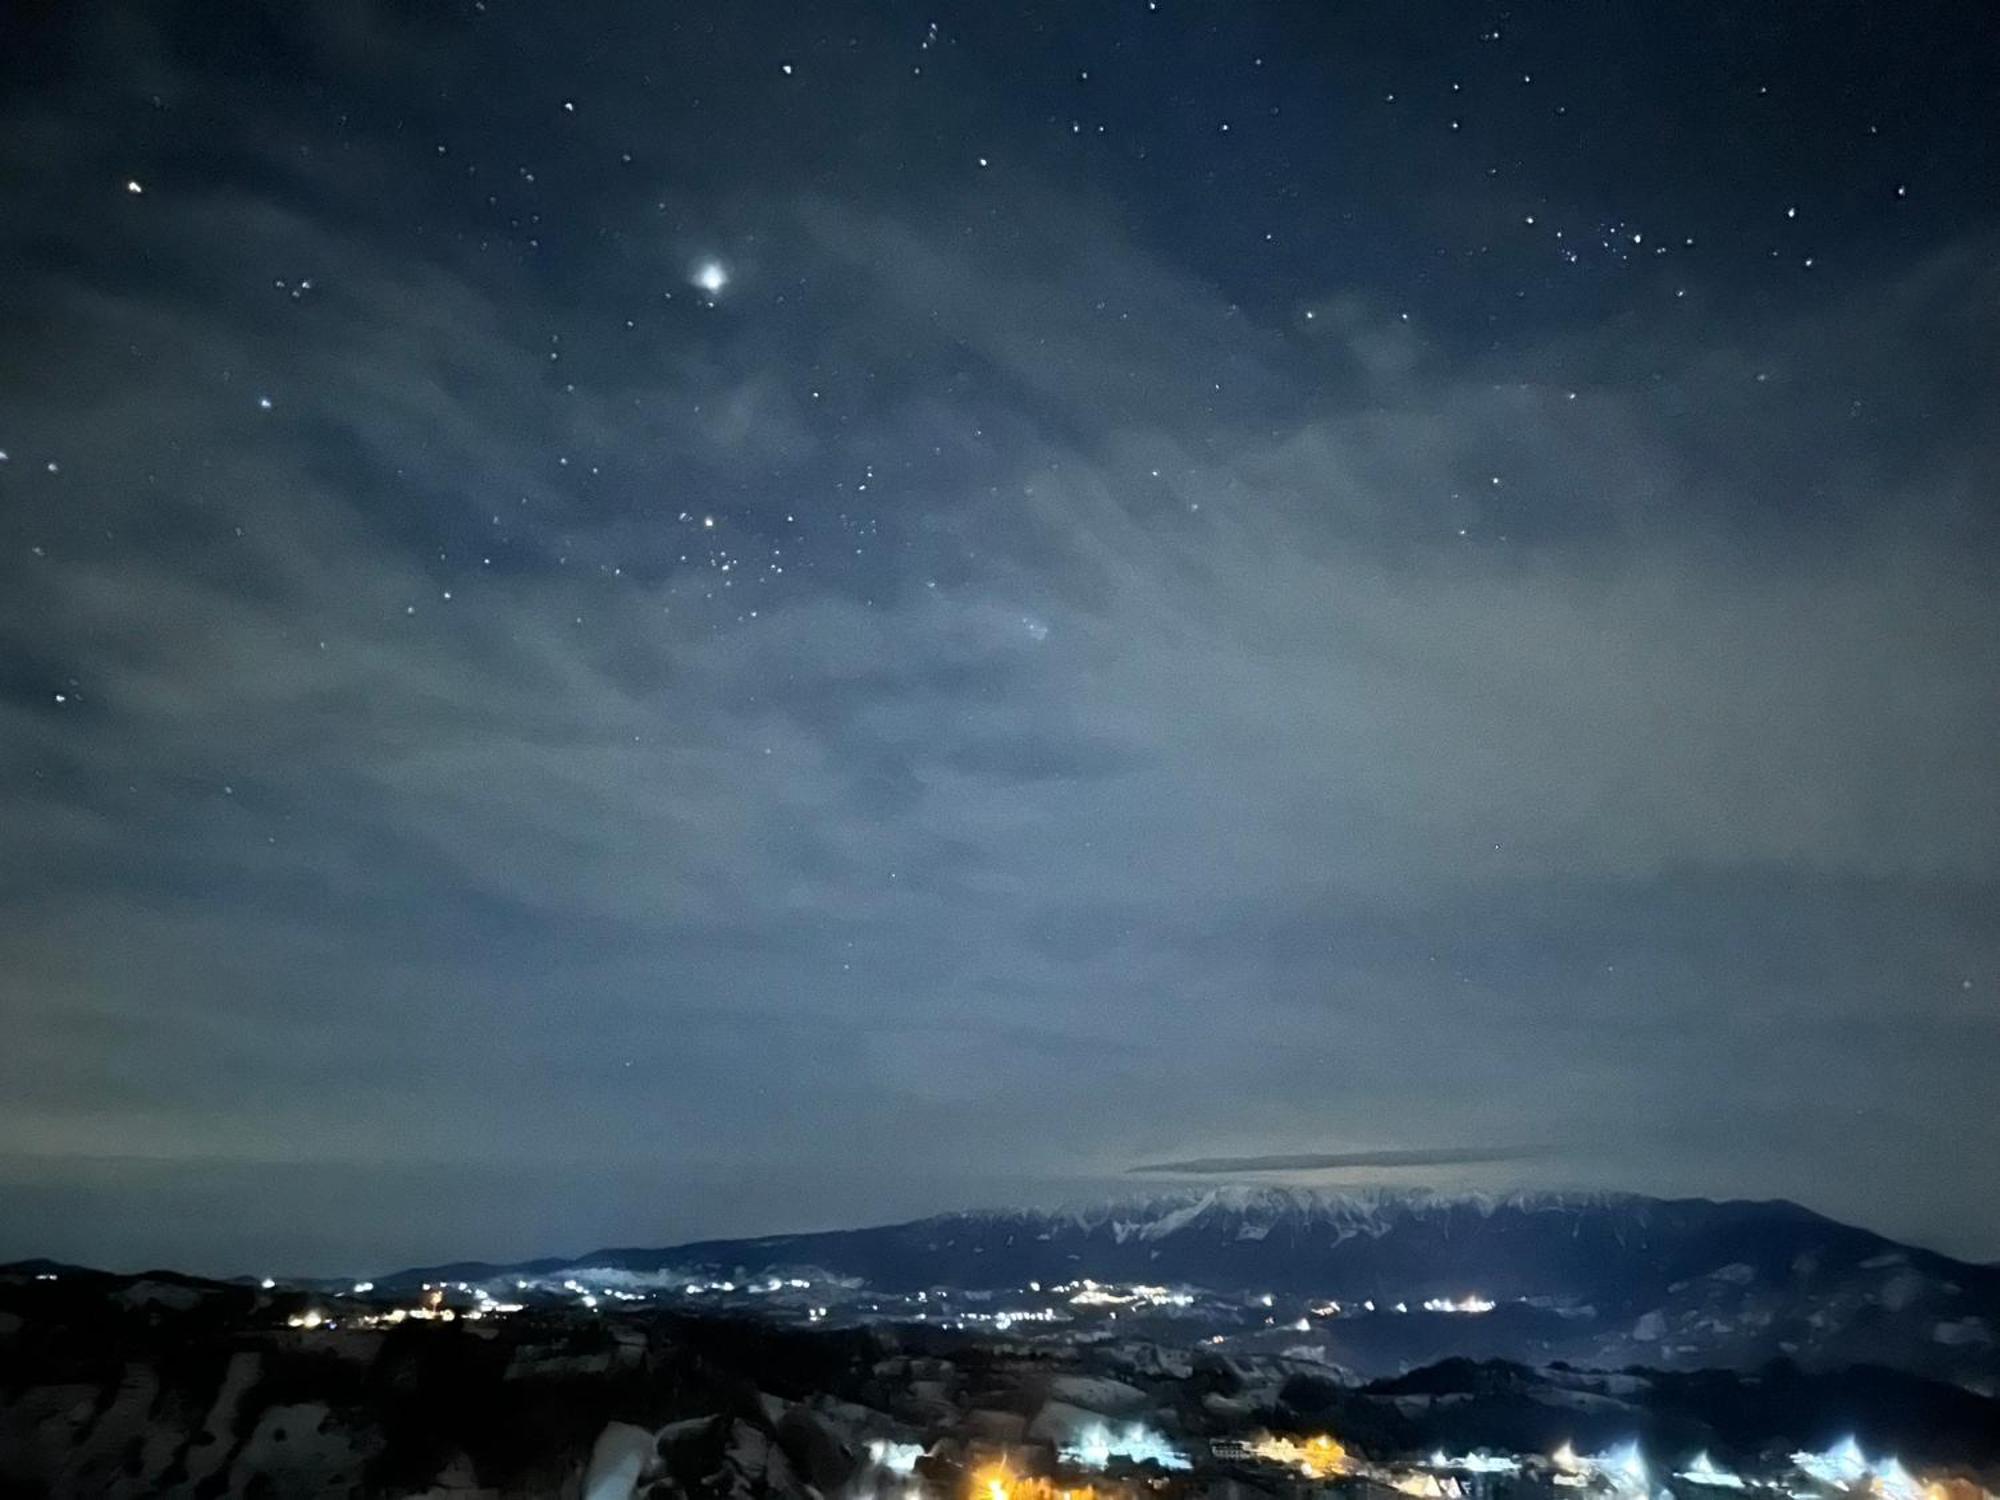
630	620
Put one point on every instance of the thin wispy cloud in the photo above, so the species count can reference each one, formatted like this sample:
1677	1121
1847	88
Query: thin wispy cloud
1336	1161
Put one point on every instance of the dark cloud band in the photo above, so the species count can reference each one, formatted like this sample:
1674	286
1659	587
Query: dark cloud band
1333	1161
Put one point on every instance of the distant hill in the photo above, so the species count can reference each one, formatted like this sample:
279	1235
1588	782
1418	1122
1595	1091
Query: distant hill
1462	1405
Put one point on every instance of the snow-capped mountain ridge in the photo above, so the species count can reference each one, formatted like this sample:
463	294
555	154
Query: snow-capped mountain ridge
1391	1241
1155	1215
1305	1217
1610	1278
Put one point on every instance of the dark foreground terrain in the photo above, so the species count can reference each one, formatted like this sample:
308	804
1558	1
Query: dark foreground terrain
165	1385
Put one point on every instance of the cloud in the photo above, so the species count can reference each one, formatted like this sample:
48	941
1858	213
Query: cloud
1336	790
1336	1161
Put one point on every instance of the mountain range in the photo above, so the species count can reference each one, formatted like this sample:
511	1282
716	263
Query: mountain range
1606	1279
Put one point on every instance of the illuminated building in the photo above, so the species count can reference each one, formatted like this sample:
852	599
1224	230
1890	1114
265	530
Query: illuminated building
1318	1457
1097	1446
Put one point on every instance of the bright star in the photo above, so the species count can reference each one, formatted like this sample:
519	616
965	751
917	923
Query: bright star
711	277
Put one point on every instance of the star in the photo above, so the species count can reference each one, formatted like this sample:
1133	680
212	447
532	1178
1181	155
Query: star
711	276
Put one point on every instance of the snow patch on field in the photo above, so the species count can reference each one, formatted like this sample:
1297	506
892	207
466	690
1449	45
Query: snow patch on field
1095	1393
296	1449
1964	1333
246	1368
1900	1290
617	1461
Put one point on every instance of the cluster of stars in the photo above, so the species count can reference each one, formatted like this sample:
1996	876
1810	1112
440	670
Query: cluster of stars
760	549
